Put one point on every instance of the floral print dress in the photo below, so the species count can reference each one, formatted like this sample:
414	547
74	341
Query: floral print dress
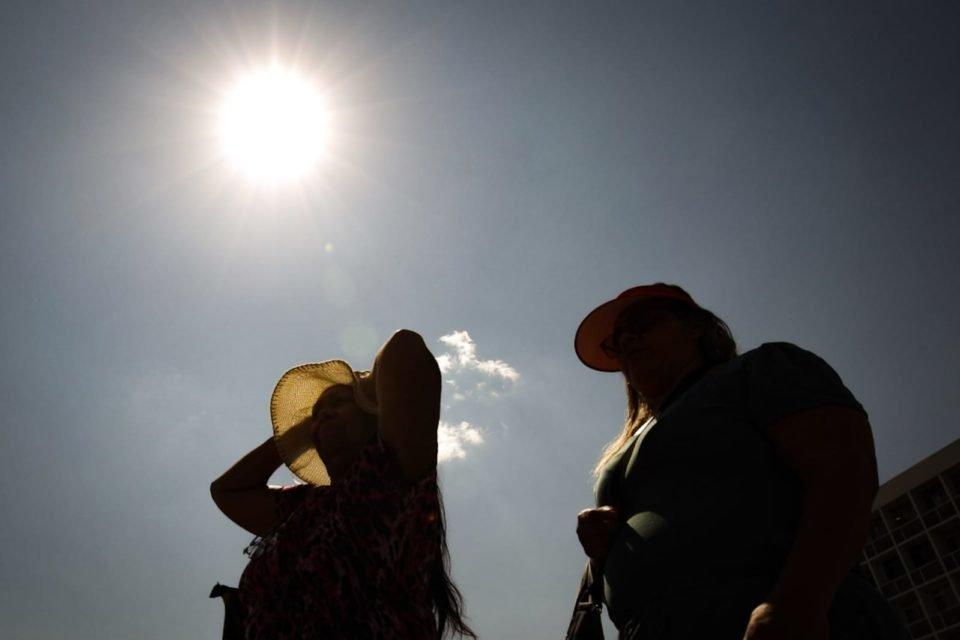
351	560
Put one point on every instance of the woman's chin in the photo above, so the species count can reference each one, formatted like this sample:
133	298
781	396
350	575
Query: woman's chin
643	374
324	451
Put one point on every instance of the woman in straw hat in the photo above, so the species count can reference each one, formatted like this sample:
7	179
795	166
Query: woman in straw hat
736	500
358	551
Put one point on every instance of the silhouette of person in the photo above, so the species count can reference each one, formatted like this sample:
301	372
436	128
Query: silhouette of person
359	550
736	500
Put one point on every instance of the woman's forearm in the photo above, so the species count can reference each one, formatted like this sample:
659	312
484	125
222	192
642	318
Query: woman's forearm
830	451
252	470
831	535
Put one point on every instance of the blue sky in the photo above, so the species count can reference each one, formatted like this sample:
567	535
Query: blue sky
496	169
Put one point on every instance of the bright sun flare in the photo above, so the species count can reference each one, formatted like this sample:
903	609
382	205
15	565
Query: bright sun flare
273	125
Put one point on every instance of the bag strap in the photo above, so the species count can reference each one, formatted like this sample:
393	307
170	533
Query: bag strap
593	588
587	608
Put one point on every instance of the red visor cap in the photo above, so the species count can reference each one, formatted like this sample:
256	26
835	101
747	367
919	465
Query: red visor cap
598	325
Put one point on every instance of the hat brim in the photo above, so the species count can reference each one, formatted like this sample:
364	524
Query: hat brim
595	328
599	323
290	408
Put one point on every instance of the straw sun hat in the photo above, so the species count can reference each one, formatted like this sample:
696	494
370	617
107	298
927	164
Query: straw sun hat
290	408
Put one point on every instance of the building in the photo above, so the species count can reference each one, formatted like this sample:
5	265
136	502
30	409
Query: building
913	550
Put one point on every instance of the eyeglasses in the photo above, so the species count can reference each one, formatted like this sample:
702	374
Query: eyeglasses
634	326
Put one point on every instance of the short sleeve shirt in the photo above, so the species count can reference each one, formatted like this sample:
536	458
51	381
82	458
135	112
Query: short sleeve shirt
351	560
707	502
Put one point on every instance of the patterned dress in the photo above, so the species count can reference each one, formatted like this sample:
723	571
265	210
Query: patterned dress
350	560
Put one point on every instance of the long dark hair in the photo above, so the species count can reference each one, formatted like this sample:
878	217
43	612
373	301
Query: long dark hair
447	599
716	346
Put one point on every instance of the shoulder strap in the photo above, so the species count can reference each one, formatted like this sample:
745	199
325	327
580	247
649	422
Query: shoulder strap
594	586
585	623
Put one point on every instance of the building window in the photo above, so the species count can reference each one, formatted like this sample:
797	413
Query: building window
930	496
911	611
950	541
939	597
940	600
921	554
877	528
899	512
953	480
892	567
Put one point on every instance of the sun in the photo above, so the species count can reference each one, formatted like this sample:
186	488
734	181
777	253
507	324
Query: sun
273	125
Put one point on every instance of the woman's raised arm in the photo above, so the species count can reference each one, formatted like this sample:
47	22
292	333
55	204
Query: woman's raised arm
407	381
242	493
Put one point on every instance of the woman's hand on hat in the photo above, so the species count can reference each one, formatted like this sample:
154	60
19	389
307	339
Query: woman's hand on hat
367	385
596	529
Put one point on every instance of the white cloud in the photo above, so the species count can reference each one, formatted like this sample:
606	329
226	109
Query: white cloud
445	360
454	439
471	385
469	375
466	358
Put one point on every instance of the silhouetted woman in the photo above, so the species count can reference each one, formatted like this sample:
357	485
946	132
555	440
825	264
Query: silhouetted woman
735	502
359	551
